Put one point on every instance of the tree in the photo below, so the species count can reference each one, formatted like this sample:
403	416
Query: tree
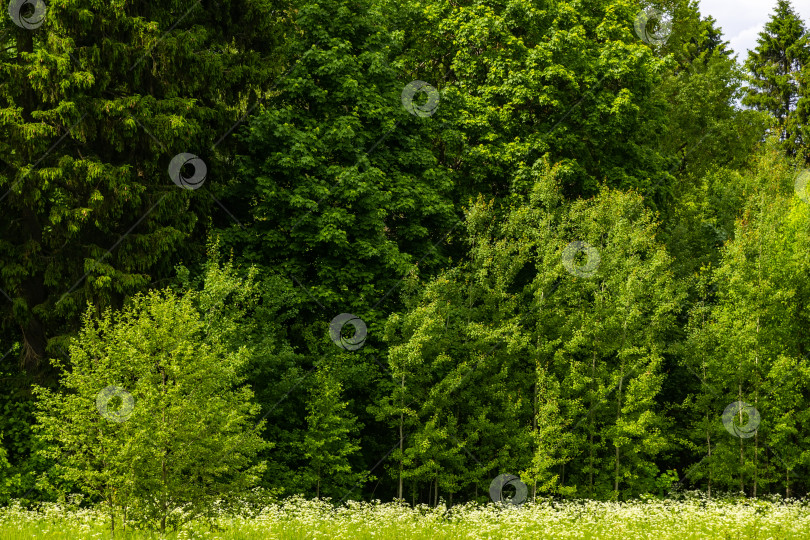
705	127
94	104
510	322
341	196
781	55
610	327
340	186
153	414
328	443
570	80
750	344
706	138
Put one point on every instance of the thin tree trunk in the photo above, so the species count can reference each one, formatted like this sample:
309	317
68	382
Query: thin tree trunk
756	402
756	369
401	420
534	432
739	398
591	429
708	423
165	501
709	445
618	417
756	463
163	464
111	500
619	407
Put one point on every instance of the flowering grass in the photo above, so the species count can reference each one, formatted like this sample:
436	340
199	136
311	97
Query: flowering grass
297	518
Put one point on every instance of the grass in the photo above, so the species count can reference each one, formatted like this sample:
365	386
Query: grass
298	518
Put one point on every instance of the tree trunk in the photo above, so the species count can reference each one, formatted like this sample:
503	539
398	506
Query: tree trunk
708	423
534	433
739	398
32	288
618	417
756	402
163	462
401	454
709	445
756	456
756	370
591	429
111	501
33	292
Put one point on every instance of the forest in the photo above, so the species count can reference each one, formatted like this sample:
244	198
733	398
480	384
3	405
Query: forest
425	251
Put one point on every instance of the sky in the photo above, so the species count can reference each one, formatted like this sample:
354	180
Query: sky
743	20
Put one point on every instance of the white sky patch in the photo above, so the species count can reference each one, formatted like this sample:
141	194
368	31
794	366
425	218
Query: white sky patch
743	20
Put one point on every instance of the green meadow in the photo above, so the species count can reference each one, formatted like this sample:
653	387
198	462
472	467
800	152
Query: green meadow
298	518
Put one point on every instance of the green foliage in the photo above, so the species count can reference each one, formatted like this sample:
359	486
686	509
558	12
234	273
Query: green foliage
778	66
9	483
93	106
185	440
526	79
323	181
492	347
328	443
751	345
486	338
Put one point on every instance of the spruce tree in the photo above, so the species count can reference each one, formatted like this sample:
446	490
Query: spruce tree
776	67
95	102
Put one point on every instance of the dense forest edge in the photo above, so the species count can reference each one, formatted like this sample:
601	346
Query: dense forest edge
412	251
